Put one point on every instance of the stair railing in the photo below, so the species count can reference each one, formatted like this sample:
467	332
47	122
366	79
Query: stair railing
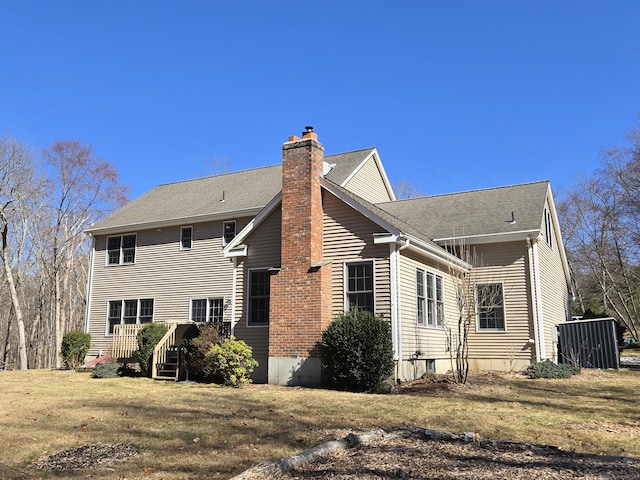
160	351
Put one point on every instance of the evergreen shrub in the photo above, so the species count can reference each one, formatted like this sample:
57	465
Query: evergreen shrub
148	338
232	360
75	345
357	351
548	369
106	370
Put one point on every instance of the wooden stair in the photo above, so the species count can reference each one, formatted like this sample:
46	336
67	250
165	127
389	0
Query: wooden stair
170	368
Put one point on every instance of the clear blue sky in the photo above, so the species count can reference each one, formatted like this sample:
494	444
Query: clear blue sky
455	95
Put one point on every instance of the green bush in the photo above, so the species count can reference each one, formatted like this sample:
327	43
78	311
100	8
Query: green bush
357	351
148	338
196	346
75	345
232	360
548	369
106	370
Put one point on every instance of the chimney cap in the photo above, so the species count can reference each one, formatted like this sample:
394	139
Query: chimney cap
309	133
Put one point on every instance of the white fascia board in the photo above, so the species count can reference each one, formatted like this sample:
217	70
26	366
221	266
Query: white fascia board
488	238
259	218
381	238
437	253
132	227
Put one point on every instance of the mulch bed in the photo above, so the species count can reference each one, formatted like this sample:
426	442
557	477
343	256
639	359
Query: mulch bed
86	456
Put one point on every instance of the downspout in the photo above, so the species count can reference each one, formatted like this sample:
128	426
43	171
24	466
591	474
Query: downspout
534	300
536	265
398	305
395	333
89	284
233	295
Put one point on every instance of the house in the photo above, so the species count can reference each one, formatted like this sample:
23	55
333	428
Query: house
275	253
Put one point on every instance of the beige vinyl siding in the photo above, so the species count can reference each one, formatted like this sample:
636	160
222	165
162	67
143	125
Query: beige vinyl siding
368	183
505	263
554	289
430	342
348	237
163	272
263	252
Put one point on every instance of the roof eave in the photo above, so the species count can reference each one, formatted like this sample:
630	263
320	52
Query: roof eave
129	227
488	237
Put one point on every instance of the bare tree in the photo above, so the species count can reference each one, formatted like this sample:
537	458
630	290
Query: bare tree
601	222
18	194
405	189
83	189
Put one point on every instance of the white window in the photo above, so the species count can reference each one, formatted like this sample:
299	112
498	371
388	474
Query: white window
258	302
228	231
490	307
131	312
359	286
121	249
186	238
430	299
207	310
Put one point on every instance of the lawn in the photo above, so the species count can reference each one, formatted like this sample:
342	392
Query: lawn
205	431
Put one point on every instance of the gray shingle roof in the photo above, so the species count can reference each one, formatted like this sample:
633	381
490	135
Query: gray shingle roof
345	164
201	198
476	212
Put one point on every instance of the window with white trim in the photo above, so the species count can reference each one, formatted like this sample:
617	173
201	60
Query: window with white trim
490	306
359	286
186	238
228	231
430	299
121	249
548	230
207	310
258	302
131	311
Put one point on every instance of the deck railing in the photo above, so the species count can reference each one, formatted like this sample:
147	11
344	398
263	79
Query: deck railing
161	349
125	340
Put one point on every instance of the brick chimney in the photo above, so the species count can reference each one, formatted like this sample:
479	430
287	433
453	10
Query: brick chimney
300	299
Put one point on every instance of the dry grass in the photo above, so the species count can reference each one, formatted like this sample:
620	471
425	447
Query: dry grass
205	431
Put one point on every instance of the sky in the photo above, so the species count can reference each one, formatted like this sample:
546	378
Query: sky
456	95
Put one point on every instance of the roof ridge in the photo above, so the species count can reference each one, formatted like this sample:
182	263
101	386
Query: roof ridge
468	191
218	175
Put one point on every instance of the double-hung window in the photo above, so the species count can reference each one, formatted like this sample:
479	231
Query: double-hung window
131	312
430	299
490	307
121	249
259	288
359	286
207	310
228	231
186	238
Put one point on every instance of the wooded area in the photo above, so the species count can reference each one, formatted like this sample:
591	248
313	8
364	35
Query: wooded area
600	218
46	202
